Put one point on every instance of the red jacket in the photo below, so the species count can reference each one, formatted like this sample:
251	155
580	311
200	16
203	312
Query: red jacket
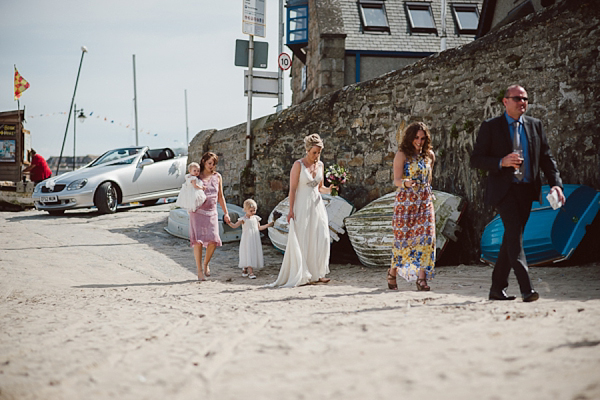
41	170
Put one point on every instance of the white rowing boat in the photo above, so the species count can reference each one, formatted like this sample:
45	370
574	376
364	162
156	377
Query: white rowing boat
372	236
178	223
337	208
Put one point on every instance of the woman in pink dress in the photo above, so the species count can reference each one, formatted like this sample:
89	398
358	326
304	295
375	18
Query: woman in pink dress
204	222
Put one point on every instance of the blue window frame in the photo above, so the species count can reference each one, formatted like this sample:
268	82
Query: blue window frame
297	24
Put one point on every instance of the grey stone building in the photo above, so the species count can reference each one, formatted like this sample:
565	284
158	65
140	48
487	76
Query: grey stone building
497	13
340	42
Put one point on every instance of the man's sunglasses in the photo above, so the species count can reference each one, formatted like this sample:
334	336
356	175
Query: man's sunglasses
519	98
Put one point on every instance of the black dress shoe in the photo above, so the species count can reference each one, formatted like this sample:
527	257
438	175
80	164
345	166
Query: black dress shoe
531	296
500	295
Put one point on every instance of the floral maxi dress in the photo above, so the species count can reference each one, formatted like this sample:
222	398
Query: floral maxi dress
414	223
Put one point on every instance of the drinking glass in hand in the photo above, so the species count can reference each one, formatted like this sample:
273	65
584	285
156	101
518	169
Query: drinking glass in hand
519	171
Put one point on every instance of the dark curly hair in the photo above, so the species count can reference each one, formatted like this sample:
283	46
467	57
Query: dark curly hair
207	156
410	133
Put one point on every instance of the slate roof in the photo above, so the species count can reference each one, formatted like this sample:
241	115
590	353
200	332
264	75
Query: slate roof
400	38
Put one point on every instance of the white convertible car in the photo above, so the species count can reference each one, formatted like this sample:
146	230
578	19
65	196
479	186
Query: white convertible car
117	177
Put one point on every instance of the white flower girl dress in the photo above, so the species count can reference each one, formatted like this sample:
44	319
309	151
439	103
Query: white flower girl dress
189	197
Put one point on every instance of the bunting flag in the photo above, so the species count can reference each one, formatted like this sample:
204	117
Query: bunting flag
21	84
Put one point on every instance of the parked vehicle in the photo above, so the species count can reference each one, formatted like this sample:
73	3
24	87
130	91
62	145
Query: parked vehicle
126	175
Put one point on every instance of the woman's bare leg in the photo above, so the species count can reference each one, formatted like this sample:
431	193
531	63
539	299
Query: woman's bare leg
198	258
209	253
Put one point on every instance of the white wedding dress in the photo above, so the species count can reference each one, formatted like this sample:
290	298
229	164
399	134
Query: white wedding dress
306	256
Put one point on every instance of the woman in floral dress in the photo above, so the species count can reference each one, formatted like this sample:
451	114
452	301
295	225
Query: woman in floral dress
413	253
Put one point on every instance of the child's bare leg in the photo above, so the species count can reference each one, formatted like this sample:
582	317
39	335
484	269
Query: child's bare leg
198	258
209	253
251	273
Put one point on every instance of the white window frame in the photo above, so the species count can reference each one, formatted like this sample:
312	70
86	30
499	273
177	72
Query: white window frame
420	6
464	7
376	4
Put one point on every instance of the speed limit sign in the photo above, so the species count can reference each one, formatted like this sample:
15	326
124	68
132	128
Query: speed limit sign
284	61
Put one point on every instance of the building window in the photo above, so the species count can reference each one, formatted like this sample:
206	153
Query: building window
467	17
372	14
297	24
420	17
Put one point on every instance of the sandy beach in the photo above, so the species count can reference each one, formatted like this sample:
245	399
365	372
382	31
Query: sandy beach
107	307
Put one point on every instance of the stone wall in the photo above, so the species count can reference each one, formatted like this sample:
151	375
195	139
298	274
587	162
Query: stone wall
553	54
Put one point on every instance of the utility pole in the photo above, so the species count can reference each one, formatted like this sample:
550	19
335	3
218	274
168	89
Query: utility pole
187	131
83	51
135	103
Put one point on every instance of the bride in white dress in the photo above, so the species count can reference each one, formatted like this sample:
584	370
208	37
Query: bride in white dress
306	256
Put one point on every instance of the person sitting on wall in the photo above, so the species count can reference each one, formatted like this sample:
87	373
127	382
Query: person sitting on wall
38	169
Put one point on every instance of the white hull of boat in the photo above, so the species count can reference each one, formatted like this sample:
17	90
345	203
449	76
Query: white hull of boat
372	236
337	209
178	223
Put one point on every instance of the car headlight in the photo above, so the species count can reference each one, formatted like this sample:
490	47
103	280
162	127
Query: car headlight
38	187
78	184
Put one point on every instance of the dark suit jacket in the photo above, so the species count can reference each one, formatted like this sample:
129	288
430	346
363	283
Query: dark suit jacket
493	143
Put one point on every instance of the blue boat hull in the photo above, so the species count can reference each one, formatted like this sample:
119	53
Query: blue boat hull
550	235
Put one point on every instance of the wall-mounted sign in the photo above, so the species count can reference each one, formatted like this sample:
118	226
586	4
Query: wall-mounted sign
8	150
254	20
8	130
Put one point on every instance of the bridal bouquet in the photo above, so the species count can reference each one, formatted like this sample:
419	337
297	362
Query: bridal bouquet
335	175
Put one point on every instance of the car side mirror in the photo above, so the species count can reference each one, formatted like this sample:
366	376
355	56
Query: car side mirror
145	162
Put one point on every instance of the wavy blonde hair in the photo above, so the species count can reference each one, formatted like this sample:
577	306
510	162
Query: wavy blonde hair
313	140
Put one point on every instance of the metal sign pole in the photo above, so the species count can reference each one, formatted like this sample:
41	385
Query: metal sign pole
279	70
249	121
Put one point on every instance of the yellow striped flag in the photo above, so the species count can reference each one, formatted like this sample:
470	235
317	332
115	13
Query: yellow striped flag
21	84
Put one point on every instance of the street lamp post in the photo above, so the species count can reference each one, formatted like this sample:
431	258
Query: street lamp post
81	117
83	51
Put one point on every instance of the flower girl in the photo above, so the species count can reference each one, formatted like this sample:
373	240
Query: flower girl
251	255
191	196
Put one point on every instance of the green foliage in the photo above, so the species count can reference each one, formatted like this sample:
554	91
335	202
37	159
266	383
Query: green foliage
454	131
500	95
468	126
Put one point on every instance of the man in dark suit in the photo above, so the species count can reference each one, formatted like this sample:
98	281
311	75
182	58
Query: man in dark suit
514	182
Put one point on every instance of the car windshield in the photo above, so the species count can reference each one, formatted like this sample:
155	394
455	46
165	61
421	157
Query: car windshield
116	155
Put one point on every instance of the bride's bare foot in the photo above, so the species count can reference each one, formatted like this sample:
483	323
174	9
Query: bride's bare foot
201	278
324	280
207	270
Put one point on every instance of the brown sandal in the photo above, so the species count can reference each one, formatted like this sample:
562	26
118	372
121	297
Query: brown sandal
424	287
391	280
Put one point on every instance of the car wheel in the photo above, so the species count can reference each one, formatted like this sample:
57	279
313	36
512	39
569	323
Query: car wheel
149	202
56	213
106	198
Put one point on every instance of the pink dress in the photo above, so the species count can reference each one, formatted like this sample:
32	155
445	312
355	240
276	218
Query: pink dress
204	222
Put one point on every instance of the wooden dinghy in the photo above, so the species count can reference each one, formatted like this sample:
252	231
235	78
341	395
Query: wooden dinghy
550	235
337	209
372	236
178	223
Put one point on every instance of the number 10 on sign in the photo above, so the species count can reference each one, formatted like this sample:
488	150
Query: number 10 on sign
284	61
